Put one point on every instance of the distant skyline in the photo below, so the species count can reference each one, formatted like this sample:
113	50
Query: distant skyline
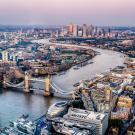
62	12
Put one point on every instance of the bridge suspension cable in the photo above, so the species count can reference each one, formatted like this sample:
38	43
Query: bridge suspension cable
14	85
58	90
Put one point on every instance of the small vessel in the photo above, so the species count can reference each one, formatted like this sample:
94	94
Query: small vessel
76	68
25	116
91	62
98	53
9	131
23	125
76	84
62	73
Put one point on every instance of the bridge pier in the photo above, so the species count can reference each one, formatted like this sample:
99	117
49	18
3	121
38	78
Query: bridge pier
48	81
27	82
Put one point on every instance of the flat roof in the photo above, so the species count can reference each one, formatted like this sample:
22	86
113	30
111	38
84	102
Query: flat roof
84	114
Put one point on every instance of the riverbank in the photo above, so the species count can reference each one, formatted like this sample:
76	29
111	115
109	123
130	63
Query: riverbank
59	58
122	45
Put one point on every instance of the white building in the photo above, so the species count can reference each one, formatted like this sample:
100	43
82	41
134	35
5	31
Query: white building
5	56
90	117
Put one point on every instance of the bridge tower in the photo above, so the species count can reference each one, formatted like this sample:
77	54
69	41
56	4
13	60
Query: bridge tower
27	82
4	81
48	81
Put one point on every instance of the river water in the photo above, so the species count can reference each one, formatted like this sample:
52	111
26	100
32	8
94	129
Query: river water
13	103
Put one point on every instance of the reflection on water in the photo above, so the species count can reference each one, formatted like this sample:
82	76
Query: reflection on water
13	104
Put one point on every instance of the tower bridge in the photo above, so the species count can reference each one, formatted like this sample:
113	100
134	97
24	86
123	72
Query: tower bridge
49	86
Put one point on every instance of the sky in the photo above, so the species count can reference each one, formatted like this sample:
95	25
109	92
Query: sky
62	12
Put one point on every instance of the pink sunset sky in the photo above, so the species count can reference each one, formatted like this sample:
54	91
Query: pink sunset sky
50	12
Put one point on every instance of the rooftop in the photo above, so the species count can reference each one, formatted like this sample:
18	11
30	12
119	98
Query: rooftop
84	114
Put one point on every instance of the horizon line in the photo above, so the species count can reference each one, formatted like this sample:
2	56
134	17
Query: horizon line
65	25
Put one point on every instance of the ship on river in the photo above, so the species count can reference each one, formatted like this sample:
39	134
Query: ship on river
23	125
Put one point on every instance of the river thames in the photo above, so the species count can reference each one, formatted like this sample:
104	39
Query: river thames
13	103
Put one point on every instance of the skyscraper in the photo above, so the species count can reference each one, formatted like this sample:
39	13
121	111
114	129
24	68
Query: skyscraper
84	30
70	28
90	30
75	30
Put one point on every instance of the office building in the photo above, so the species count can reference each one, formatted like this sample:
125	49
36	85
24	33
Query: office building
72	127
70	29
97	100
80	33
75	30
90	31
100	120
84	30
125	102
